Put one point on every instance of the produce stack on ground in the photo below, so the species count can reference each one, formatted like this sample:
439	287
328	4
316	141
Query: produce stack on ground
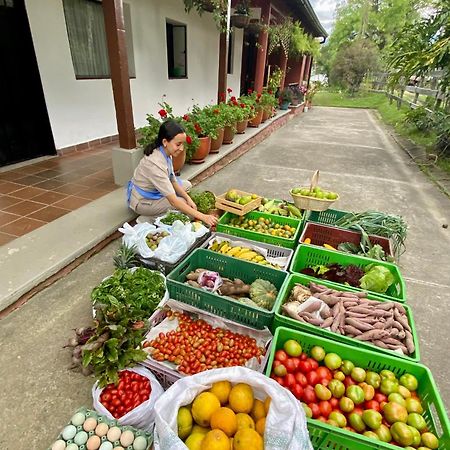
193	345
225	417
384	324
91	431
263	225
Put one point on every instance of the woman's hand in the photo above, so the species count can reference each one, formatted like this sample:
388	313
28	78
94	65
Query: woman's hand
209	220
191	203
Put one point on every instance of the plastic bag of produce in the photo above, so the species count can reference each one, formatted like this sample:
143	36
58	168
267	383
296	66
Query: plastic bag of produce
143	416
133	235
285	426
142	246
172	248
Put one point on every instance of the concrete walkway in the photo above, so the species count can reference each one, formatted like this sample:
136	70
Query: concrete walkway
356	158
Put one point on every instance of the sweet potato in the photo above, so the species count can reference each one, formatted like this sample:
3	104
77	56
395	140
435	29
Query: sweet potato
358	324
372	335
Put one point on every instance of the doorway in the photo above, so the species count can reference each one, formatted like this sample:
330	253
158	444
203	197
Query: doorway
25	131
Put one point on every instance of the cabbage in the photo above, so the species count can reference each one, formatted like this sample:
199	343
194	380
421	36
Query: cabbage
377	279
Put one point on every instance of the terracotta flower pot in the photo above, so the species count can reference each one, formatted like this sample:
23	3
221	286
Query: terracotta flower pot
178	162
240	20
256	121
203	151
216	143
228	135
241	126
266	114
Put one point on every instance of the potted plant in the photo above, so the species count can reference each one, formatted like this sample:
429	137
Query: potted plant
285	98
268	101
217	7
229	117
241	16
255	99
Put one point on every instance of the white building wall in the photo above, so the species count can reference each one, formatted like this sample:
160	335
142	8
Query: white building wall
83	110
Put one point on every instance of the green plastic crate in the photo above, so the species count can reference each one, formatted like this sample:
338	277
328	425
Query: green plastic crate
308	256
328	217
221	306
324	436
281	320
224	227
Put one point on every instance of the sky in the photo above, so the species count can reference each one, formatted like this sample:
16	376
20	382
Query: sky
325	12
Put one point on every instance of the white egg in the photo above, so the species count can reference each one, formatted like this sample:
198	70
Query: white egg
69	432
93	443
72	447
114	434
140	443
59	445
80	438
102	429
106	446
78	419
90	424
127	438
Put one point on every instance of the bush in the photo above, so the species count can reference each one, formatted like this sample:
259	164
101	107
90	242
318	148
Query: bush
420	118
352	63
442	129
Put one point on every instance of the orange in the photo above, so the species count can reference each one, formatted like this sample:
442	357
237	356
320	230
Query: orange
244	421
221	389
215	440
224	419
203	407
246	439
267	404
258	410
241	398
260	426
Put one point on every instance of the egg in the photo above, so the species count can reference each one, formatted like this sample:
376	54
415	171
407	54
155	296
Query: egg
106	446
69	432
93	443
90	424
78	419
80	438
72	447
102	429
118	448
59	445
140	443
114	434
127	438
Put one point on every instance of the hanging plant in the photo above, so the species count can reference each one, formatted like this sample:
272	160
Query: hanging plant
217	7
280	36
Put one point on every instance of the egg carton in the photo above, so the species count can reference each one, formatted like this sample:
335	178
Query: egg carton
79	434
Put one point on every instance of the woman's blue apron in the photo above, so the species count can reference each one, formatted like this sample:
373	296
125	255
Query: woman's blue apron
154	194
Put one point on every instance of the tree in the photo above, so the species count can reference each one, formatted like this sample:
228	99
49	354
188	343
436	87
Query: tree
352	63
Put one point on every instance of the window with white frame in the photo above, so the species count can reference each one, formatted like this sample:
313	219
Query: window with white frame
85	25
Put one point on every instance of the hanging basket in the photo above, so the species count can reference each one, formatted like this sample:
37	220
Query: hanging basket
207	6
239	20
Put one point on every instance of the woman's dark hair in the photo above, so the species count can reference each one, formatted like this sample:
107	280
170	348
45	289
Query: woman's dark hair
168	130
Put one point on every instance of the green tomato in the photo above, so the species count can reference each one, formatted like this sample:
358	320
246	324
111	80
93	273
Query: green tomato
388	374
388	386
404	392
430	440
346	404
307	410
339	376
337	388
358	374
372	418
373	379
333	361
396	398
414	405
280	370
393	412
322	392
318	353
417	421
292	348
416	436
371	434
409	382
402	434
355	393
347	367
339	418
383	433
356	422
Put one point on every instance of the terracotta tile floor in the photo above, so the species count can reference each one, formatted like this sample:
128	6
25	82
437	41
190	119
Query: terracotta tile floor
39	193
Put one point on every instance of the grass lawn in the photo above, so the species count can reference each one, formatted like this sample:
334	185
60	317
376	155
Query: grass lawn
388	112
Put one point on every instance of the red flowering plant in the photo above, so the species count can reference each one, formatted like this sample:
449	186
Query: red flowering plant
268	99
206	123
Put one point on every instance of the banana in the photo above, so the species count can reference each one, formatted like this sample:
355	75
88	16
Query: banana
258	258
282	212
248	255
225	249
215	246
294	210
243	250
233	251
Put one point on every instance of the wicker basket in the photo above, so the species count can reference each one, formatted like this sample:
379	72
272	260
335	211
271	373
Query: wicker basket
311	203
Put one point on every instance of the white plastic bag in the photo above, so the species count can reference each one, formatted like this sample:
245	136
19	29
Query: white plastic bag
143	416
133	235
142	247
171	248
285	427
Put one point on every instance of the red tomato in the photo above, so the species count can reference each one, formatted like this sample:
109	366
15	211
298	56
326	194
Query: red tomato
309	396
279	380
348	381
116	402
289	380
105	397
281	355
324	372
301	379
314	363
379	397
276	363
314	409
312	377
334	402
325	408
303	357
297	390
358	410
290	365
372	404
296	362
305	366
324	381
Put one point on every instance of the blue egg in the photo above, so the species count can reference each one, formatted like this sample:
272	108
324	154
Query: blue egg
69	432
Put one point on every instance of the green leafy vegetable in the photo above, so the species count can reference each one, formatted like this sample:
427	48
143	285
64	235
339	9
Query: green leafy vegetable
205	201
377	279
170	218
